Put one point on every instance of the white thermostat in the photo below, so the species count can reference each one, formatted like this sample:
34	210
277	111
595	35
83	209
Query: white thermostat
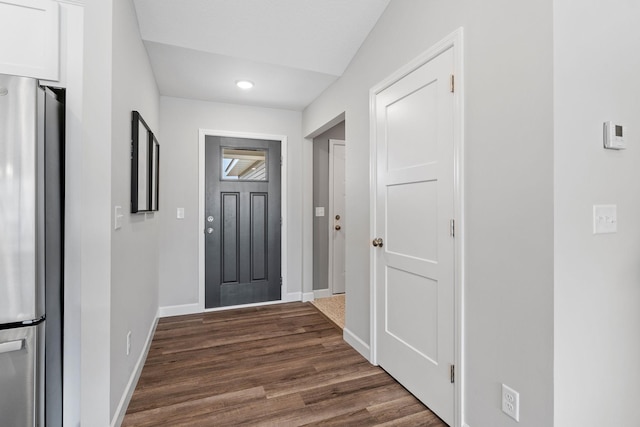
615	136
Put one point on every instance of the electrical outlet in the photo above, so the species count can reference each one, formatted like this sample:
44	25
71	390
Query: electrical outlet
511	402
128	343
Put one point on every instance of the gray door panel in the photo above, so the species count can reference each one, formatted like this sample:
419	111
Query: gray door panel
242	253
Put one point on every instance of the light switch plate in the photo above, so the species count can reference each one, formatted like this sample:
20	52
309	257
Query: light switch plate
605	219
180	213
117	218
320	211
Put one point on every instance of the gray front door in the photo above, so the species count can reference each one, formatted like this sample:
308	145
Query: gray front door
242	221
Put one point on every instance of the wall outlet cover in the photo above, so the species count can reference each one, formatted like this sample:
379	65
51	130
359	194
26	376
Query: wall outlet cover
511	402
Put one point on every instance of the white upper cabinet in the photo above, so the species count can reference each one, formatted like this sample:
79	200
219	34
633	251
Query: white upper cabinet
29	34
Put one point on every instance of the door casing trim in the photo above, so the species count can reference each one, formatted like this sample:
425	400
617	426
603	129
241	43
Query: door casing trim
332	144
202	134
452	41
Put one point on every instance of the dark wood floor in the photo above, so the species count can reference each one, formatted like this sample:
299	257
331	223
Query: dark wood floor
277	365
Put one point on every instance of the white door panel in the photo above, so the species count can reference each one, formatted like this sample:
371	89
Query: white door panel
412	120
403	225
414	268
337	221
411	300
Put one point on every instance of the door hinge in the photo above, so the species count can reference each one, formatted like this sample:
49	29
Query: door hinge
453	83
281	161
280	221
453	373
452	227
280	280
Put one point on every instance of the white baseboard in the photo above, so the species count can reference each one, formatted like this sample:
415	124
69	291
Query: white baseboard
322	293
118	417
179	310
355	342
293	296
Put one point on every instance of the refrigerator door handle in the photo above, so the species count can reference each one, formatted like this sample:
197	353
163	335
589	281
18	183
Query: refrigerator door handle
8	347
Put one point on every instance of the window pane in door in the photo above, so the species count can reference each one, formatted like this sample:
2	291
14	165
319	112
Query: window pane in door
240	164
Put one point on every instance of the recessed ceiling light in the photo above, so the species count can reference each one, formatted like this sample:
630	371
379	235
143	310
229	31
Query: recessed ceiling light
244	84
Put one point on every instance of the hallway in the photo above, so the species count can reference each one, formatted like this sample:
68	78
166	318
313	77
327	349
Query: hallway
282	364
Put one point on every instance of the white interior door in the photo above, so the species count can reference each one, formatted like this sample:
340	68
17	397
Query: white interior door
337	231
414	267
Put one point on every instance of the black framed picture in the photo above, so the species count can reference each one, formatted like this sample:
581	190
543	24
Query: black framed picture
145	161
155	172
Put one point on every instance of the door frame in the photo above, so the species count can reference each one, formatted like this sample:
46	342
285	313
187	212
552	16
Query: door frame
202	134
452	41
332	143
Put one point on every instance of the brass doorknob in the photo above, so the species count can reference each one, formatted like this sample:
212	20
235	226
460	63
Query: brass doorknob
338	227
377	242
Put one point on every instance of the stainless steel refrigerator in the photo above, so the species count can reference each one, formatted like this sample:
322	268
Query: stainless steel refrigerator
31	252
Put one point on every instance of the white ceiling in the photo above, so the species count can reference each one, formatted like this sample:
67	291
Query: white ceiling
291	49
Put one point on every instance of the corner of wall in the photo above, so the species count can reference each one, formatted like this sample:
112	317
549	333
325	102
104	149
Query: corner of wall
359	345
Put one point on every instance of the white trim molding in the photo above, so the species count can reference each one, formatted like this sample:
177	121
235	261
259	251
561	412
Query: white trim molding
179	310
202	134
118	417
292	296
354	341
322	293
453	41
256	304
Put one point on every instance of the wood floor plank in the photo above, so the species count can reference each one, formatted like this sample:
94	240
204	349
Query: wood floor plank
358	418
277	365
332	391
397	409
251	414
186	411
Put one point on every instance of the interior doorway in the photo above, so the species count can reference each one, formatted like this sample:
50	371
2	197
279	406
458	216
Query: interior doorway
416	196
325	262
330	224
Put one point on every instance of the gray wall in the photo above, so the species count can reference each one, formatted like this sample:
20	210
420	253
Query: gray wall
76	216
180	121
321	198
134	247
508	63
597	277
93	257
112	274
